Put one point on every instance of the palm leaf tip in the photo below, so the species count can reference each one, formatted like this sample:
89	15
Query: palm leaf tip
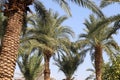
90	5
64	5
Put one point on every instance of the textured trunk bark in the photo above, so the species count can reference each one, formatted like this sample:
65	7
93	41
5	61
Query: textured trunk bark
10	45
47	70
98	61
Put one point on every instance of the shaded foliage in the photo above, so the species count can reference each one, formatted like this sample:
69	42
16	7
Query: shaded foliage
68	63
30	62
112	69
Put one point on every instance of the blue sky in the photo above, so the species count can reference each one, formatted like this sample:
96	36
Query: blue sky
79	14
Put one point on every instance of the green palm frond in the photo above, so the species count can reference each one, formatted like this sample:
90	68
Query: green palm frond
92	18
113	44
29	62
41	46
68	64
83	43
89	4
84	3
59	20
82	35
35	65
64	31
30	19
105	3
109	51
64	5
99	25
87	24
114	29
106	21
92	75
91	70
41	12
111	48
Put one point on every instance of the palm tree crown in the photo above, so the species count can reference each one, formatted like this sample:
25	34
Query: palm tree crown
49	36
94	36
68	62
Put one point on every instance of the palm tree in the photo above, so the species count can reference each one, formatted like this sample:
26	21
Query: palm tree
49	37
29	61
16	10
98	37
68	63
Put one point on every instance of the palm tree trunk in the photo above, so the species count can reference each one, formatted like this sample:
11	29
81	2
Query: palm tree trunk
10	46
47	70
98	61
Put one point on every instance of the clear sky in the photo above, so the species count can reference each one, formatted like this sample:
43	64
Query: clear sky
79	14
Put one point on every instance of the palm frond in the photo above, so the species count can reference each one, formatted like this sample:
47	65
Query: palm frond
29	62
90	77
66	31
105	22
82	35
114	29
41	12
68	63
64	5
109	51
105	3
89	4
91	70
83	43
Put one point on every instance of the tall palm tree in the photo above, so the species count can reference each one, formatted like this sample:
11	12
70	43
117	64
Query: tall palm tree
97	40
68	63
49	37
16	10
